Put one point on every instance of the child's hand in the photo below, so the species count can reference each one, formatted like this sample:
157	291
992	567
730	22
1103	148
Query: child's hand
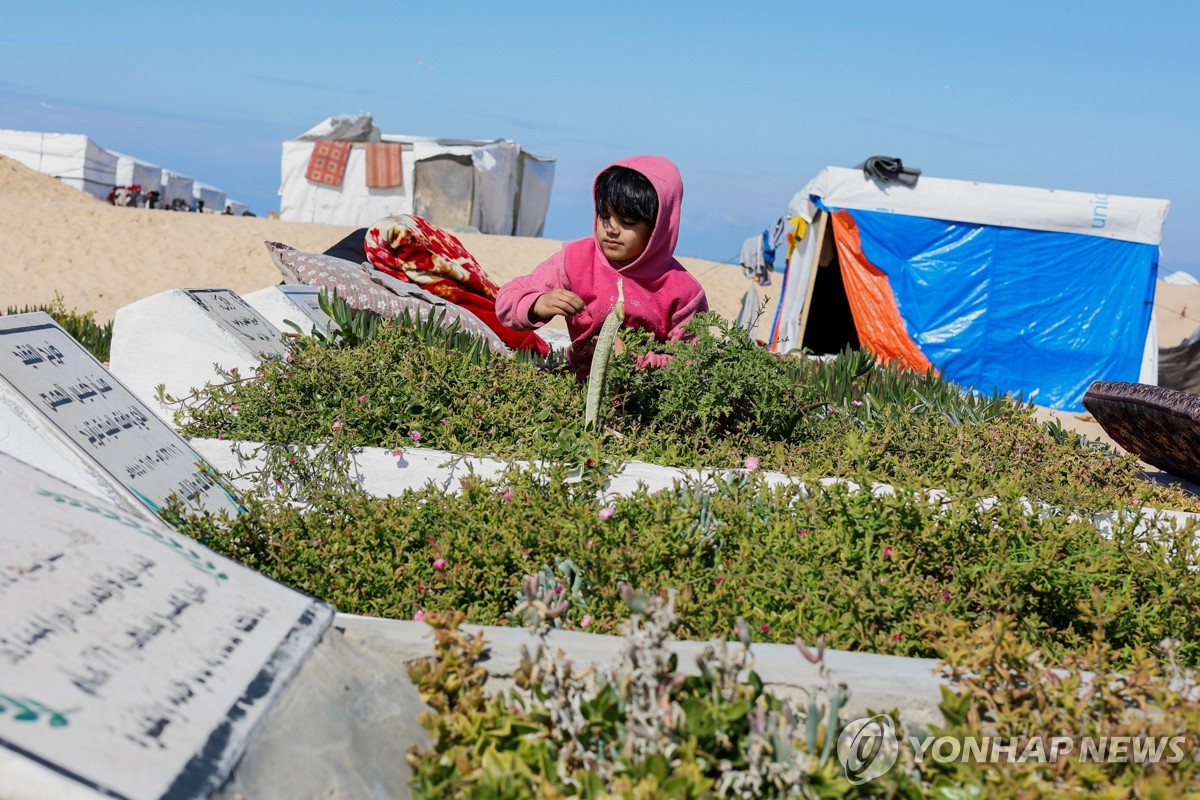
554	303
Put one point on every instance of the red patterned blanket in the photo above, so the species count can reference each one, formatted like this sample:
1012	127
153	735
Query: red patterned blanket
411	249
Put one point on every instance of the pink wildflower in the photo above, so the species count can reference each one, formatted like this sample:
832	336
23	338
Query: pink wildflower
751	464
444	421
362	398
764	627
887	551
803	531
233	407
420	587
607	512
416	436
439	563
507	496
220	434
398	453
291	459
856	403
719	579
419	616
586	621
558	589
896	637
946	595
337	425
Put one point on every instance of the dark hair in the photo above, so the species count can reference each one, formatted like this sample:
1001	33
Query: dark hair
626	193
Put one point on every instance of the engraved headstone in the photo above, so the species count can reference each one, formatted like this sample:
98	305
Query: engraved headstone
238	317
134	662
63	412
177	339
282	304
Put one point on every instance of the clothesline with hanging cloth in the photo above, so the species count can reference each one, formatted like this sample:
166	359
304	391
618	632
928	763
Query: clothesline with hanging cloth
383	165
327	164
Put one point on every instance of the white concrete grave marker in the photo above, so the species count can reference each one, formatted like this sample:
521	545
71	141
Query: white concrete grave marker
285	303
64	413
239	318
134	662
177	338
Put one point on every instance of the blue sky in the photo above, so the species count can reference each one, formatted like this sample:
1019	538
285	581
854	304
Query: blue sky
750	99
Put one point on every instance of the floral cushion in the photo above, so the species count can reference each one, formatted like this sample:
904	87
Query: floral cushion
365	288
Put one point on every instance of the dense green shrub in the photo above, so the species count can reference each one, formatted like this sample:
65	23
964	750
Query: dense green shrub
82	325
640	728
881	574
721	399
644	728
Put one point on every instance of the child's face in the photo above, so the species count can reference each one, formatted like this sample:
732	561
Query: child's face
621	240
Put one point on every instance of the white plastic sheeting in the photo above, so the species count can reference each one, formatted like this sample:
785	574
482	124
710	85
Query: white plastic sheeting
214	198
131	171
510	188
533	196
1130	219
176	187
1133	219
72	157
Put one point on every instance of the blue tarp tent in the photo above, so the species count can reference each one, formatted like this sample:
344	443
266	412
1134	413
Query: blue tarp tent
1035	292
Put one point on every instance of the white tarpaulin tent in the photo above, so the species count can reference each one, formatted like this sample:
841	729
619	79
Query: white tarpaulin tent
1036	291
72	157
214	198
133	171
176	187
491	185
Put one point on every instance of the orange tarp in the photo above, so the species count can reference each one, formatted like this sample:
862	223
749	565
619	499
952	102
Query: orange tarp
876	313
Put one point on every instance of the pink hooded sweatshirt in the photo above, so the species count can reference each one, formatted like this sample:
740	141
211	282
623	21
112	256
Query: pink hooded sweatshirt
660	295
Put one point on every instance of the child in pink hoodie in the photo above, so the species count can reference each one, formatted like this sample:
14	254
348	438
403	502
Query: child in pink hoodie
637	226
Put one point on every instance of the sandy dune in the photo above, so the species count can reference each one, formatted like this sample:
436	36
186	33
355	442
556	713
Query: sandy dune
99	257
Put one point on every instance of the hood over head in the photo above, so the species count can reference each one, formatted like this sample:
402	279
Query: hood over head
664	177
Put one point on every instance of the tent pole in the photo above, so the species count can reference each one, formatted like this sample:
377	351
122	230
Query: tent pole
820	219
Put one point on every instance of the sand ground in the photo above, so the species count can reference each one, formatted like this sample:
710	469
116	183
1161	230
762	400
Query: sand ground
98	257
57	240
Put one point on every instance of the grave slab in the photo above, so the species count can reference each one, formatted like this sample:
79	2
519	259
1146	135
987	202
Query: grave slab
340	729
177	337
911	685
64	413
134	662
281	304
381	473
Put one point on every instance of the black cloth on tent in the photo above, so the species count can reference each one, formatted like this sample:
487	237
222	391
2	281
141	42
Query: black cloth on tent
887	169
